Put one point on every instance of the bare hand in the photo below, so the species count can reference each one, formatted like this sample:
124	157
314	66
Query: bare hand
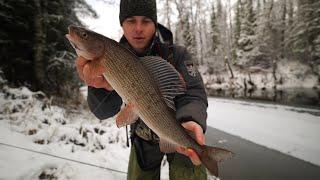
195	129
91	72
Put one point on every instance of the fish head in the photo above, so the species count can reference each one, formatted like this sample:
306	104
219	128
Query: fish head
86	43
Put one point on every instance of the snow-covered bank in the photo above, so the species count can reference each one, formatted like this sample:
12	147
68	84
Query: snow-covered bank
41	141
84	148
291	82
288	74
293	131
27	120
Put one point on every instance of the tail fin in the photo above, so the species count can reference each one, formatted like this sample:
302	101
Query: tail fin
210	156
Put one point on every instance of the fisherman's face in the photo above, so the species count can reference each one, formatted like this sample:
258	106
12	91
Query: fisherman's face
139	31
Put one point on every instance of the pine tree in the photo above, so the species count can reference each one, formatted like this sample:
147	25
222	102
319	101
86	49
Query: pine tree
16	41
305	35
290	14
219	9
201	31
237	30
168	12
249	22
315	37
60	69
180	25
188	36
290	26
283	26
247	34
39	43
258	6
214	30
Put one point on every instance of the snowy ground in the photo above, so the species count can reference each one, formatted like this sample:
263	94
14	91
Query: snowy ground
72	144
30	123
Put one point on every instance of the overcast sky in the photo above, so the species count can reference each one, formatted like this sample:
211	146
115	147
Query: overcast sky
108	21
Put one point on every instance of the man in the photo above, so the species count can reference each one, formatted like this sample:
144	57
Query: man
145	37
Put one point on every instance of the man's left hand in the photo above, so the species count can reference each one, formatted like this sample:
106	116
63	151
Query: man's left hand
194	128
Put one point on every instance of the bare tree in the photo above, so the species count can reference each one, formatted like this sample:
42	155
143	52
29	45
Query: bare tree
168	14
283	26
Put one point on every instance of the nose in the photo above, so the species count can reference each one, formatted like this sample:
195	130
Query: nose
138	27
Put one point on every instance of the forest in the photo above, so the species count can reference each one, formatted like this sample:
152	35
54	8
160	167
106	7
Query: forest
240	46
262	48
34	50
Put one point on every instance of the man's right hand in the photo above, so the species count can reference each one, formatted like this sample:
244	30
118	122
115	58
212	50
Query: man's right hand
91	72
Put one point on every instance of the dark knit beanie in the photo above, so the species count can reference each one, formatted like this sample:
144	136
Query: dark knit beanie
129	8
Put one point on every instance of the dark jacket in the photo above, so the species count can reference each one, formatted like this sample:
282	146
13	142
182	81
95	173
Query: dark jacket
190	106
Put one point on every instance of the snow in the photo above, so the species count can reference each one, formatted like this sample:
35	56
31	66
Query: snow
296	74
31	123
39	140
290	74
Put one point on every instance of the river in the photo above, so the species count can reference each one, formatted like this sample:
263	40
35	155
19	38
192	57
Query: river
301	97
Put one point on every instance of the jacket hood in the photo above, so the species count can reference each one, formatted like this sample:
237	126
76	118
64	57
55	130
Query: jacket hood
164	34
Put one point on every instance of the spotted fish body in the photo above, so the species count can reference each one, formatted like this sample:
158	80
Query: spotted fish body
133	79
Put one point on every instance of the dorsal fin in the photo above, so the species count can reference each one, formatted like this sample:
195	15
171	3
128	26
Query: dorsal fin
168	79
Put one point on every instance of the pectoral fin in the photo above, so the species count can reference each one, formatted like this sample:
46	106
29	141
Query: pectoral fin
126	116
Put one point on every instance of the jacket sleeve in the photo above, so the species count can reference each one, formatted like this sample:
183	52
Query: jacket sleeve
102	103
192	105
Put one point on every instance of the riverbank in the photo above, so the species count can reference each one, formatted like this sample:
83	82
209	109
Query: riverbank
285	82
298	97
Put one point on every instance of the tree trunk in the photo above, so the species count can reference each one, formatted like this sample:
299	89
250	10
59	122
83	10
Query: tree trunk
39	46
229	67
199	23
268	18
290	14
181	22
230	37
168	13
274	70
283	27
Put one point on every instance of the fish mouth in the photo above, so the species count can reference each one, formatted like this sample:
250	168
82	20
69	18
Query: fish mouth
72	42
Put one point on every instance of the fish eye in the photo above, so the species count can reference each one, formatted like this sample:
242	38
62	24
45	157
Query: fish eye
85	35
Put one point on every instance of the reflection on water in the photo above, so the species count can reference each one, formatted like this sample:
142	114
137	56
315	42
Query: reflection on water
293	96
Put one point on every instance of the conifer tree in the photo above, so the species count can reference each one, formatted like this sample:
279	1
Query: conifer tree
283	27
247	33
33	35
188	36
305	36
214	30
237	30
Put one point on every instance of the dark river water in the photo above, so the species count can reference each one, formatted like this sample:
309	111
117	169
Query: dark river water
301	97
